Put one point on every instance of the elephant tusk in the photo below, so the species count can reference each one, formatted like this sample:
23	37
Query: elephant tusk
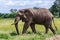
13	23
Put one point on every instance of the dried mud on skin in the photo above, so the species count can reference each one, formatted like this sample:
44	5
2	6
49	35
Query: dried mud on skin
55	37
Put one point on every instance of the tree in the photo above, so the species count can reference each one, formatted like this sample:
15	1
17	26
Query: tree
35	7
1	15
13	10
13	13
54	9
58	6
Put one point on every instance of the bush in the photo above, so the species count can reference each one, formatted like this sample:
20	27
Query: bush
8	15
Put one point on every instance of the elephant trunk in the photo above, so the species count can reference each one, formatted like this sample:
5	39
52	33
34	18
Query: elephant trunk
16	20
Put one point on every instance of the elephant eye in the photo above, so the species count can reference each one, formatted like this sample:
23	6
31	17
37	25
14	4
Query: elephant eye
22	16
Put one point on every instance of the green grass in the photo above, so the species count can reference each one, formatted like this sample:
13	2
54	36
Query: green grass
8	32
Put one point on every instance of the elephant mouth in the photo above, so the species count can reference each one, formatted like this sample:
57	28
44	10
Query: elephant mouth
23	20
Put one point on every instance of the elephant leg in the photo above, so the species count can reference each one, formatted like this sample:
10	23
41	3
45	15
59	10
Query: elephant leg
26	25
46	27
52	29
33	27
25	28
16	26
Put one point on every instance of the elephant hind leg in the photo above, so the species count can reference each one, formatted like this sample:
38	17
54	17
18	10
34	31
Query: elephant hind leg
46	27
52	29
33	27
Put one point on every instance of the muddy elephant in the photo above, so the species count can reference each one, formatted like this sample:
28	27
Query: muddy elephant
32	16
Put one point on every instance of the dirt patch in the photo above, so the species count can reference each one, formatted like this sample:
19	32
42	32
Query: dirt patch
56	37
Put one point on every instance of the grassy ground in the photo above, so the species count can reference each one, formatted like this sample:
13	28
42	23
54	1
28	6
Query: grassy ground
8	32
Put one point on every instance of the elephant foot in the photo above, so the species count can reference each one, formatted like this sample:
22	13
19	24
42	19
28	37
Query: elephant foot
17	33
34	32
46	32
23	32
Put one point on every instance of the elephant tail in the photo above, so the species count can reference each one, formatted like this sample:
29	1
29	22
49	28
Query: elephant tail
54	24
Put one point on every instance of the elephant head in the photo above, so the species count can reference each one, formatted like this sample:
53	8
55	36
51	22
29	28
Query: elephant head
21	15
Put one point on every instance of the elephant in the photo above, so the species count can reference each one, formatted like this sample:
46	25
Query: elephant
32	16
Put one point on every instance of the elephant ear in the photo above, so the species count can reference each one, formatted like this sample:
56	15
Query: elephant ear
28	12
28	15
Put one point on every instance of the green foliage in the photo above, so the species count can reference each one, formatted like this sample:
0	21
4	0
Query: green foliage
1	14
54	9
12	14
4	16
8	15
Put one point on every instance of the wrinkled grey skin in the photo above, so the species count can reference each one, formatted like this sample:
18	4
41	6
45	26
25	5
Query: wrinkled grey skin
32	16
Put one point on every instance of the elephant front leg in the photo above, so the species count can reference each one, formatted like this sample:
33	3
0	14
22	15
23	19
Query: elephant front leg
16	26
26	25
